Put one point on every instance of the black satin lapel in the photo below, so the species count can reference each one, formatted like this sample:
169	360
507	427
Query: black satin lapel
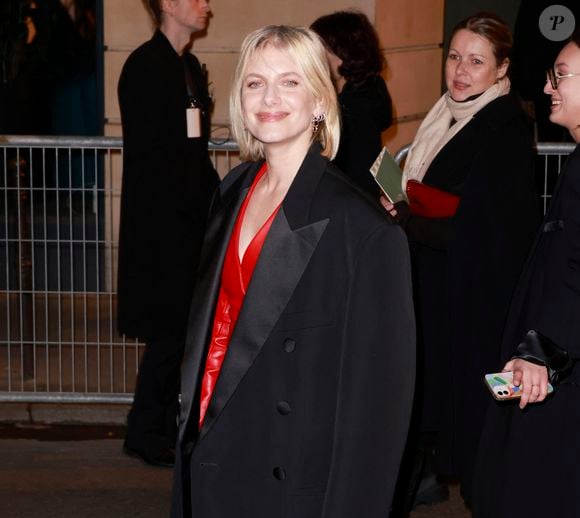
205	298
283	259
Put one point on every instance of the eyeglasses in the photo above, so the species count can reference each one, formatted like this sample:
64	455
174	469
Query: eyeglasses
554	77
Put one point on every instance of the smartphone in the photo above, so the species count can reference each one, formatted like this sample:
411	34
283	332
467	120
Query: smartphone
501	385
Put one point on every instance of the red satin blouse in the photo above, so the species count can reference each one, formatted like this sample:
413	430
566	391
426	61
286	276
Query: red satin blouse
235	279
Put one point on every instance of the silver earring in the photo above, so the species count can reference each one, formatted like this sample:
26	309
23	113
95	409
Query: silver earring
316	120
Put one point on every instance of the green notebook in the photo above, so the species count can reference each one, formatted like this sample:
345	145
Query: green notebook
388	175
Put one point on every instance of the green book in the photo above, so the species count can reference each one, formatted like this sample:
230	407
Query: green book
388	175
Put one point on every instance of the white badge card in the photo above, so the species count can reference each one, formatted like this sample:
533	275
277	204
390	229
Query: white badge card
193	122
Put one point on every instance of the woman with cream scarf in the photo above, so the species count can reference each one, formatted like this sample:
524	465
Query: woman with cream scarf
471	217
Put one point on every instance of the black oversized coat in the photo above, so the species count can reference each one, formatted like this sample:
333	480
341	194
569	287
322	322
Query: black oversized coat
168	181
310	413
466	269
529	461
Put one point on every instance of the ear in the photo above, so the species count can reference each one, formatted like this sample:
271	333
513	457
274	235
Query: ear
502	69
319	107
167	6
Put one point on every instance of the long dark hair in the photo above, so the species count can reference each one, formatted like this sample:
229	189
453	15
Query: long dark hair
351	36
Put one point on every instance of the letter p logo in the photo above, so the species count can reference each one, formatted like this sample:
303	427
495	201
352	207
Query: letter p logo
557	22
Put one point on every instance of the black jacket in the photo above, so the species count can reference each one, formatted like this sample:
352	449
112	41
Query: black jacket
168	181
529	462
310	413
466	269
366	112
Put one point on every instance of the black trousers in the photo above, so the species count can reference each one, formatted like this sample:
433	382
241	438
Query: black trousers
152	420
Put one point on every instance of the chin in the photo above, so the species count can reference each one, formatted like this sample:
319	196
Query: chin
554	119
459	96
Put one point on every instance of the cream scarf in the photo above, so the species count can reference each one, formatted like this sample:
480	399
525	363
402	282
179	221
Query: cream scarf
435	132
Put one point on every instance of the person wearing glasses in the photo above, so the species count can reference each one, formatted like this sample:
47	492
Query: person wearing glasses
529	459
538	29
471	218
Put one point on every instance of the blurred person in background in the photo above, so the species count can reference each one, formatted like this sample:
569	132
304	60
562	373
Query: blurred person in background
356	63
168	181
471	217
25	71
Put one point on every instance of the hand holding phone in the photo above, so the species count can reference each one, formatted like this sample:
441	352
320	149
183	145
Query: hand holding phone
501	385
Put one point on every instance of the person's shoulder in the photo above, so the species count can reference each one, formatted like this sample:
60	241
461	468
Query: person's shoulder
345	198
575	154
157	49
370	93
571	173
504	111
573	162
376	84
371	84
141	52
136	65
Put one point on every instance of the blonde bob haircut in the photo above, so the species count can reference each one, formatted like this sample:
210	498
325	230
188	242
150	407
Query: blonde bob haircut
307	51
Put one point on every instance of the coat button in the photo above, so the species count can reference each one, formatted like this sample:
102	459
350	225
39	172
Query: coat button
289	345
283	407
279	473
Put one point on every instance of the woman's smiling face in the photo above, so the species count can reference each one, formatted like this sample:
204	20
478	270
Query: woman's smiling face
565	110
471	66
276	103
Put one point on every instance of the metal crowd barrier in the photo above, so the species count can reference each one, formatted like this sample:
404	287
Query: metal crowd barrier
551	156
59	210
59	214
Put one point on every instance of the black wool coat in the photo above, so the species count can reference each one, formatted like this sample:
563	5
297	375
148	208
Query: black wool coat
311	410
168	181
529	461
465	271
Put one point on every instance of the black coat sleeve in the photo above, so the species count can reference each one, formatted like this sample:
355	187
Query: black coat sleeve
376	380
433	232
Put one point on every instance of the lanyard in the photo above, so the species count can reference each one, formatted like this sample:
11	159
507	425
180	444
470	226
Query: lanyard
192	91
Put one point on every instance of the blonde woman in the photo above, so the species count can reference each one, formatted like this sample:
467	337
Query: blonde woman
298	373
471	220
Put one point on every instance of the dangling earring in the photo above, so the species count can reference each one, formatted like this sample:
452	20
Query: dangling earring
316	120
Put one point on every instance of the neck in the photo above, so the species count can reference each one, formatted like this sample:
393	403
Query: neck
177	35
283	164
575	132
